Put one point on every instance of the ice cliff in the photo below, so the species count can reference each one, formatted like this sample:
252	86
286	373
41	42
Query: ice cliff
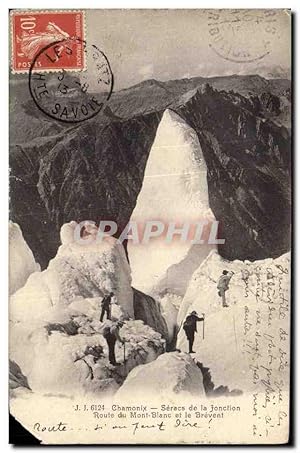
258	296
21	259
174	190
78	271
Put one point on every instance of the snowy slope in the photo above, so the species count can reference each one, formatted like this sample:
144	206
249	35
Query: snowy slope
171	373
21	259
174	190
230	332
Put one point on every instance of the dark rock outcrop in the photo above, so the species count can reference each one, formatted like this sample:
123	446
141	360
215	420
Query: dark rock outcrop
94	170
148	310
16	377
209	386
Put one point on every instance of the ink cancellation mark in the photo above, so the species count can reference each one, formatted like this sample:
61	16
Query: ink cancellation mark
242	36
33	30
66	96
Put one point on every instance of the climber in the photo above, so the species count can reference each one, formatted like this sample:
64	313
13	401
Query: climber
106	306
190	327
111	335
223	285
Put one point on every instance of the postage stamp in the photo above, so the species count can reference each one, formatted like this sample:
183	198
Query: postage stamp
232	31
33	30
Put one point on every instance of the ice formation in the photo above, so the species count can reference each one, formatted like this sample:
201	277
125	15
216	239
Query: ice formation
171	373
78	271
55	333
71	358
255	290
21	259
174	190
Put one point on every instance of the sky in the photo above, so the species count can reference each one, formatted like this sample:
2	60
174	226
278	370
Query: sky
171	44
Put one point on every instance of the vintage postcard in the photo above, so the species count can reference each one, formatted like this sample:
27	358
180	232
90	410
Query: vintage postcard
150	226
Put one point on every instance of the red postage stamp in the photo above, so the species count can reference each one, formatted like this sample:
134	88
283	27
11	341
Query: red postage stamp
33	30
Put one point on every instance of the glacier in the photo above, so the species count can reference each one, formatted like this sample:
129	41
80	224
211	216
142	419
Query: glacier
56	342
54	319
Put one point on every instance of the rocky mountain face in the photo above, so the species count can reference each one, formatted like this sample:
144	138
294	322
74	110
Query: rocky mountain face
248	161
94	170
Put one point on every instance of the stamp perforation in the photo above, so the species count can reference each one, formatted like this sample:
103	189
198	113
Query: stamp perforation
19	12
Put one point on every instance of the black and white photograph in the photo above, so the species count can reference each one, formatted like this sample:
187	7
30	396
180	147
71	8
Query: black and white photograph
150	225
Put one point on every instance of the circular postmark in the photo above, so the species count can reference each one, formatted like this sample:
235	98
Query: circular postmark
66	95
242	36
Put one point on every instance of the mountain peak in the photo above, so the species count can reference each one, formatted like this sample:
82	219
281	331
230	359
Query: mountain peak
146	83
